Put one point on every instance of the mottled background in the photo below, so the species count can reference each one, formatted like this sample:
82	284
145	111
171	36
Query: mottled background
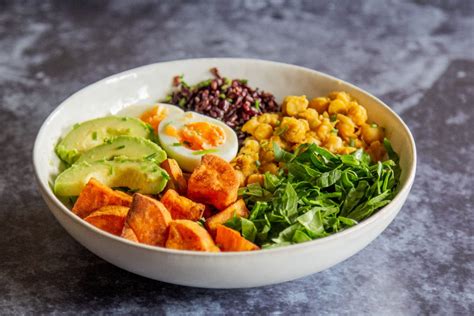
417	56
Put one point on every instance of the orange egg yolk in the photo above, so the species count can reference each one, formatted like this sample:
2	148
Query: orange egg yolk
154	116
201	135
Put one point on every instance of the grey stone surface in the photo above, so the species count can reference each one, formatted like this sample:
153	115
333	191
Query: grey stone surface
417	56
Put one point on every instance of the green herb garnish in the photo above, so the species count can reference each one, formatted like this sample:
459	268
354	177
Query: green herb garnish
120	147
281	130
257	105
374	125
203	152
177	144
94	135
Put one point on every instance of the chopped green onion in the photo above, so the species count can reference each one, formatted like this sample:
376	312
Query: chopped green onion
177	144
374	125
222	96
203	152
335	131
182	102
352	142
121	147
257	105
257	163
243	81
333	117
281	130
94	136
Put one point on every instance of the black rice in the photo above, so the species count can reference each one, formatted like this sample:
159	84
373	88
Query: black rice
231	101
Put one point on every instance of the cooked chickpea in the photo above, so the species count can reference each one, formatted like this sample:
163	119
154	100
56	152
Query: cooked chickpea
324	129
337	106
250	125
295	129
292	105
241	177
246	164
255	178
311	115
266	155
320	104
346	150
343	96
357	113
345	126
269	167
251	146
372	133
270	118
312	138
263	131
333	143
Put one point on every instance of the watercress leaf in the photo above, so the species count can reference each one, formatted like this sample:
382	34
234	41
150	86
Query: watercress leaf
328	178
299	236
281	155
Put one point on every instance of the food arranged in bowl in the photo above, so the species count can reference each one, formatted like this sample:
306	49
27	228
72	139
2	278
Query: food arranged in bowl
220	166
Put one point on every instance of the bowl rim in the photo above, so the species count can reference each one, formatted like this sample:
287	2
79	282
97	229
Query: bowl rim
404	190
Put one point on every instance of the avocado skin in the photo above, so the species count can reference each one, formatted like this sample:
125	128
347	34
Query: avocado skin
135	148
92	133
143	176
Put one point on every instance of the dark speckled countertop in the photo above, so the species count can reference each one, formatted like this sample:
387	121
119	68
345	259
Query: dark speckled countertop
417	56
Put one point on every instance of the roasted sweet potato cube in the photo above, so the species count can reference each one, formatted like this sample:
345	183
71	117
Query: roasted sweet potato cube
128	233
109	218
188	235
230	240
181	207
214	182
236	209
177	180
95	195
149	220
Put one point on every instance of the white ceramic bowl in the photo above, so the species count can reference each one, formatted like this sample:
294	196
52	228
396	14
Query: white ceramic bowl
216	270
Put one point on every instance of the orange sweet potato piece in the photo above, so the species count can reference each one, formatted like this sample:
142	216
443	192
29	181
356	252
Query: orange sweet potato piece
149	220
181	207
110	218
128	233
236	209
188	235
214	182
95	195
230	240
177	180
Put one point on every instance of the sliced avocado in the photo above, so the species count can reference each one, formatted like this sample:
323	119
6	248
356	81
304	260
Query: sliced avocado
136	148
92	133
141	176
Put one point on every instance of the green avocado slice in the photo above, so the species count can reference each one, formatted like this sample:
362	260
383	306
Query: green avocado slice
141	176
89	134
136	148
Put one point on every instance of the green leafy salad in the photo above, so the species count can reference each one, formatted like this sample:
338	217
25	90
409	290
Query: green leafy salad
316	194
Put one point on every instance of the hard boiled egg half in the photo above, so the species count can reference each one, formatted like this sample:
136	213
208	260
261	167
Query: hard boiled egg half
186	137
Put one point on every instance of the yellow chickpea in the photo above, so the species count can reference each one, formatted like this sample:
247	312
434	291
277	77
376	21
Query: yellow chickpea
251	147
255	178
372	133
295	129
250	125
270	118
343	96
357	113
320	104
324	129
312	138
345	126
346	150
337	106
241	177
269	167
266	155
292	105
333	143
263	131
376	151
311	115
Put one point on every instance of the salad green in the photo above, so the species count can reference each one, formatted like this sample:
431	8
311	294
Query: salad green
316	194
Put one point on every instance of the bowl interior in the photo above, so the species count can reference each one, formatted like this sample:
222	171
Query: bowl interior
149	84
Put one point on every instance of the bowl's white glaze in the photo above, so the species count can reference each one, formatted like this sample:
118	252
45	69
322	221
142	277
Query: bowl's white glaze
216	270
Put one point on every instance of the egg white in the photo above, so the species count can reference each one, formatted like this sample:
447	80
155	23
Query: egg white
184	156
